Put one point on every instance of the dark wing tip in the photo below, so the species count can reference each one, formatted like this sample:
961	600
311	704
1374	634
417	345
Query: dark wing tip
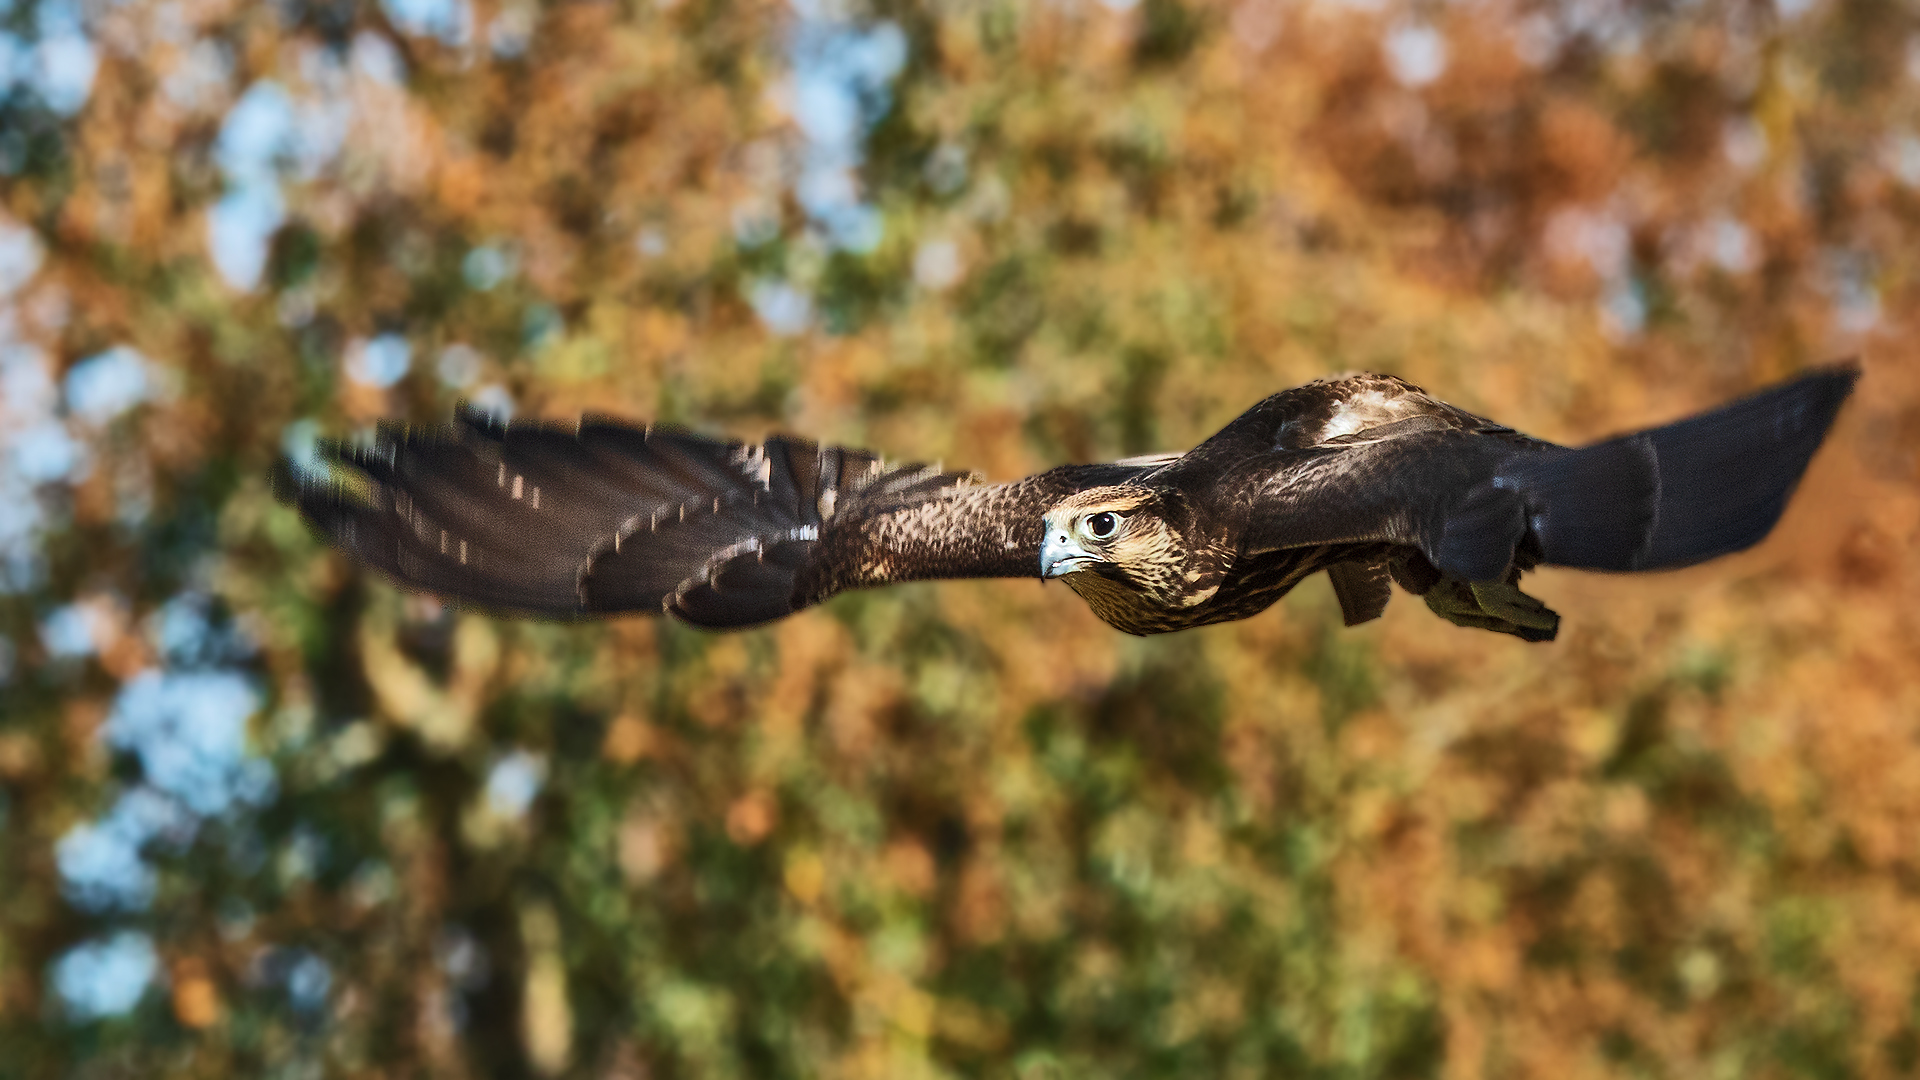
1726	476
318	495
285	481
1696	489
1847	370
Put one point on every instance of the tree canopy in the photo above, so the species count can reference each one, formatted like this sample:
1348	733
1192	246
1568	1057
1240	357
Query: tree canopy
263	815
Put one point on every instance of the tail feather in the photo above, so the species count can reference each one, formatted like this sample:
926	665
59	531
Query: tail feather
1681	494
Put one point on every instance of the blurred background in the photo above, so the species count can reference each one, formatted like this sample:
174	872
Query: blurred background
264	816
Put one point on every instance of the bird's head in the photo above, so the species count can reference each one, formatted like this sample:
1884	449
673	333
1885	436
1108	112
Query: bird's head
1121	536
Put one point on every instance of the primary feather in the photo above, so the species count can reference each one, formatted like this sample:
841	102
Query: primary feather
1367	477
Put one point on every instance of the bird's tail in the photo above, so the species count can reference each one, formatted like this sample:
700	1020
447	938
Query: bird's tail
1681	494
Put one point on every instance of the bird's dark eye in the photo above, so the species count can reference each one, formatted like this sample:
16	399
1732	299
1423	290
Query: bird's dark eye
1101	525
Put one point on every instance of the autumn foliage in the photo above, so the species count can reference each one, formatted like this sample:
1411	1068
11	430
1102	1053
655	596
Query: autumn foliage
966	829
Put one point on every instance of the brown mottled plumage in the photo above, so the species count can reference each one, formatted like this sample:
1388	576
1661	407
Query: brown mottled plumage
1366	477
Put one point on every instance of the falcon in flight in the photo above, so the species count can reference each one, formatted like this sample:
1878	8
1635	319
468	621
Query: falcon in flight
1366	477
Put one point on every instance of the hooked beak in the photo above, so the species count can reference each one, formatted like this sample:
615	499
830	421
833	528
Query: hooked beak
1059	555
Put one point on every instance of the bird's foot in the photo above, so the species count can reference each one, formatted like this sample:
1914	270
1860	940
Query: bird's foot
1493	606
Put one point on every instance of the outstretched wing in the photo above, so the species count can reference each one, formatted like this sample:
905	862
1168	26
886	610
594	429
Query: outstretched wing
1479	501
604	516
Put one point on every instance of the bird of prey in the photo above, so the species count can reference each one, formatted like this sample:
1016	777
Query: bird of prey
1367	477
